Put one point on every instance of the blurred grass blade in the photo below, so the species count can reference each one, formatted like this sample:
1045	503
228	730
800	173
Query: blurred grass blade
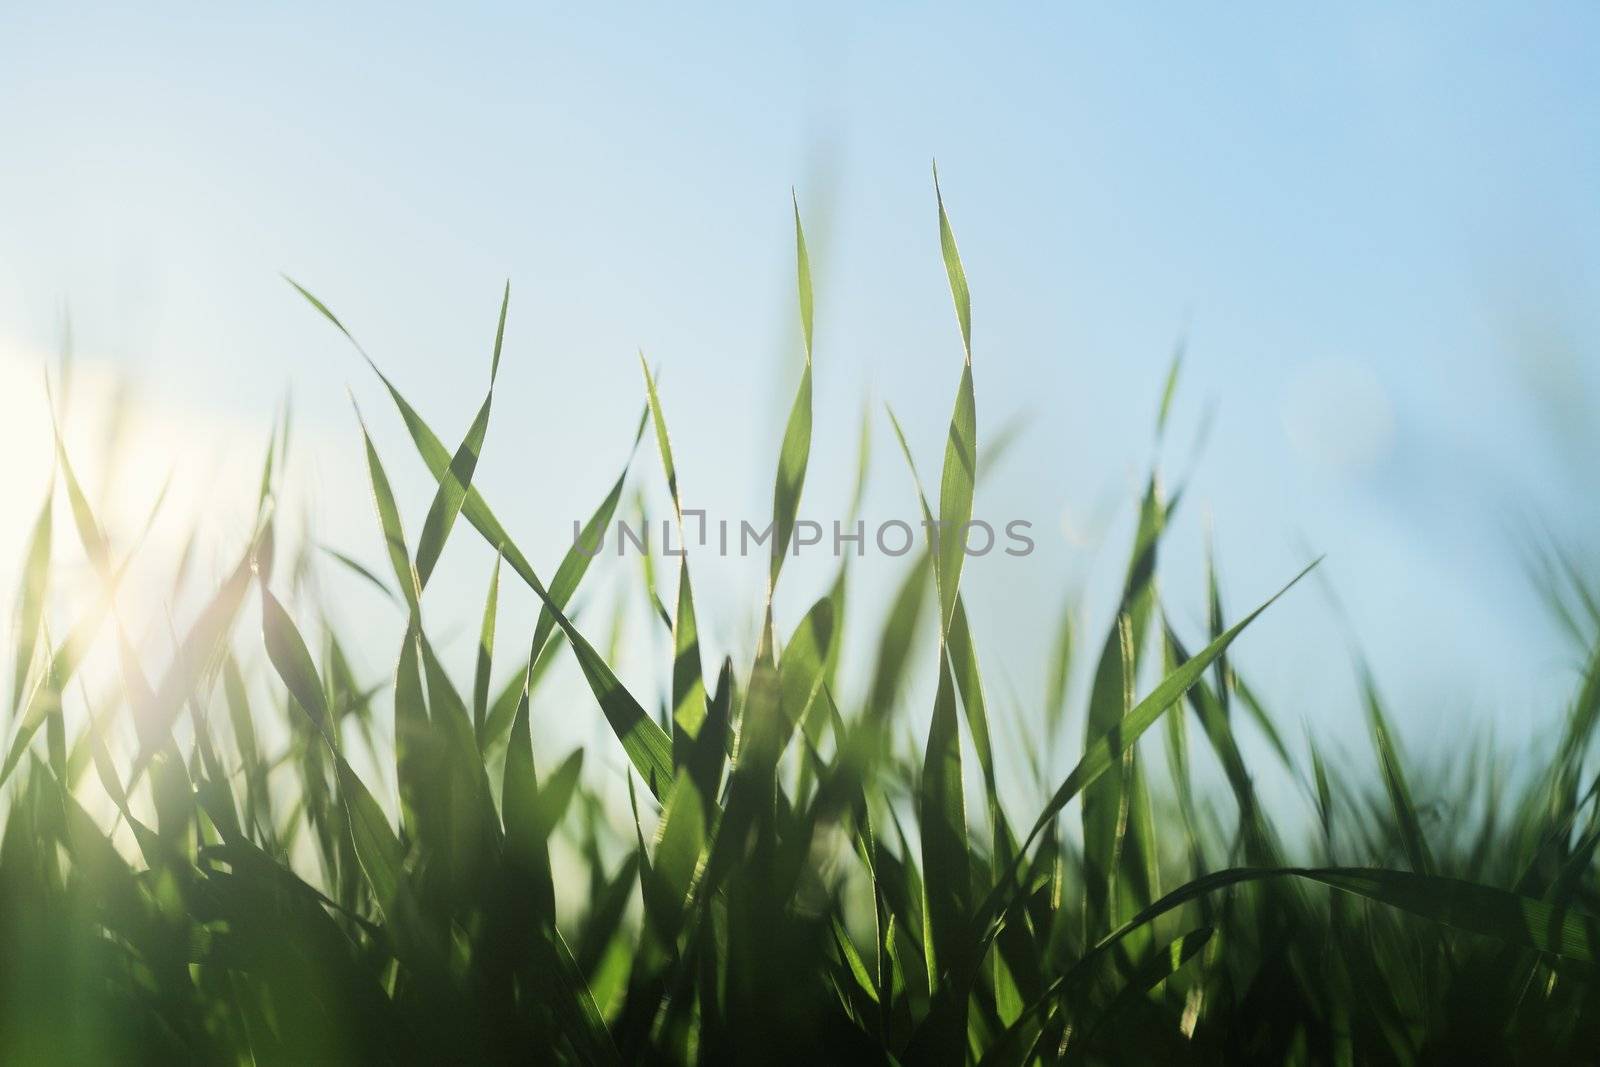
1469	906
1157	968
286	649
803	663
795	454
1394	781
1170	389
963	656
803	276
585	548
969	683
526	828
942	813
894	644
1055	704
953	268
961	449
688	674
359	570
955	496
30	607
485	661
675	858
394	536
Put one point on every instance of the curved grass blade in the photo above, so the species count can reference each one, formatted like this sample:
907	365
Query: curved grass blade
1394	781
1170	389
1453	902
452	491
526	832
961	448
894	645
947	875
1151	973
360	571
394	535
803	665
952	265
1118	867
802	269
555	796
955	497
688	673
675	859
586	546
963	656
30	607
969	683
795	453
485	662
1055	702
286	650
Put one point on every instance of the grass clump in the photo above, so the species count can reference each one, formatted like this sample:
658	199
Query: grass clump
809	890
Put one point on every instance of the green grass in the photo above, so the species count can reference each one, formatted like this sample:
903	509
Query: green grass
796	883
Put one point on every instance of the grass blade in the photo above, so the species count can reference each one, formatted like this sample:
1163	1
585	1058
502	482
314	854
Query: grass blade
485	662
795	454
30	607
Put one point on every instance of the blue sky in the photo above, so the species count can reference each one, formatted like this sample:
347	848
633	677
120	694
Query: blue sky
1377	226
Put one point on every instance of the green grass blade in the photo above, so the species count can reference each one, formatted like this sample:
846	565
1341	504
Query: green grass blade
379	851
1154	970
802	263
1055	701
963	656
485	661
675	858
793	458
555	796
688	674
527	824
1170	389
795	453
894	644
287	651
1463	905
952	265
955	496
947	880
451	494
360	570
394	535
663	441
803	665
1394	781
30	608
587	545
